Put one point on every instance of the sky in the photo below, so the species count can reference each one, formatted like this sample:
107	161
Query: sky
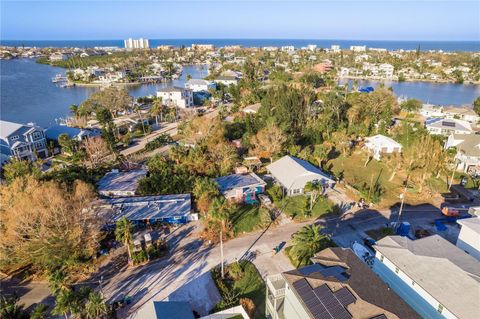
346	20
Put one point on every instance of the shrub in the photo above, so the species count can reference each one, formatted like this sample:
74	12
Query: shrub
248	305
139	257
235	270
275	193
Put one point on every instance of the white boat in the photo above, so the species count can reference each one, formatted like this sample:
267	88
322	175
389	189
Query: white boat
59	78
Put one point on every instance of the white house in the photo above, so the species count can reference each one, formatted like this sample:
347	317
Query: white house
439	126
176	96
386	70
116	183
337	285
22	141
458	113
380	144
469	238
199	85
436	278
293	174
226	80
468	151
335	48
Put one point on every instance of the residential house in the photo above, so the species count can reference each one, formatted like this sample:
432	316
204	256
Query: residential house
335	48
337	285
469	238
58	56
386	70
199	85
176	96
380	144
241	187
22	141
459	113
173	209
430	110
252	108
203	47
436	278
438	126
226	80
116	183
468	151
292	174
288	48
75	133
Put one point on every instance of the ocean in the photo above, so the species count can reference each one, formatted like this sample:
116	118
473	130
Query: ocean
471	46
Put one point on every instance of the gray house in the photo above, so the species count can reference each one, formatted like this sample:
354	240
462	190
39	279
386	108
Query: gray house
293	174
22	141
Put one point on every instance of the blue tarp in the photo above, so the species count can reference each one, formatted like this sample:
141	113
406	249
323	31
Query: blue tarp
367	89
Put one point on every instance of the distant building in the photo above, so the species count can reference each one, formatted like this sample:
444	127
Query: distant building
116	183
380	144
292	174
165	47
199	85
469	238
439	126
468	151
386	70
22	141
173	209
176	96
358	48
433	276
203	47
136	43
458	113
337	285
312	47
241	187
323	67
335	48
288	48
58	56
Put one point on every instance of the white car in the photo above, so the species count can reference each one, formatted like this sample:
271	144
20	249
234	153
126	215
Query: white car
264	199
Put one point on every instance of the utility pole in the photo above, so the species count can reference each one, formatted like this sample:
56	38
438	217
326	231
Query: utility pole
402	197
221	250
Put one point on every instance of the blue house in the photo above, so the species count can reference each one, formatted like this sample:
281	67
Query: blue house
241	187
173	209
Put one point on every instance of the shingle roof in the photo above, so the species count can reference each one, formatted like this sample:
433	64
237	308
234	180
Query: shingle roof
360	281
440	268
198	82
469	145
293	172
8	128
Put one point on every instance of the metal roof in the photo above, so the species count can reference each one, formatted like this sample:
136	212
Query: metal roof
443	270
229	182
120	181
149	207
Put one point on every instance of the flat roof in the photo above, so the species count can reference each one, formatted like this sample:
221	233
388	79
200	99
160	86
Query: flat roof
226	183
121	181
443	270
472	223
148	207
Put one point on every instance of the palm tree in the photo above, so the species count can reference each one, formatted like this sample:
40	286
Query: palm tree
65	304
9	308
95	308
157	109
57	281
138	110
123	233
74	109
306	242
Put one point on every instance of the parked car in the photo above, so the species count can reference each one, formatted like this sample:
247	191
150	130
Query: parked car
264	199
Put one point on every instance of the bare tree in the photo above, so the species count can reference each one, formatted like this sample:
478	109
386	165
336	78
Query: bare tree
268	142
97	150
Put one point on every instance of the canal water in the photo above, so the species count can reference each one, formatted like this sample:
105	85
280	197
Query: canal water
28	95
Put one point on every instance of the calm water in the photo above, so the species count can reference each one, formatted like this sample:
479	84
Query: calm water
435	93
28	95
390	45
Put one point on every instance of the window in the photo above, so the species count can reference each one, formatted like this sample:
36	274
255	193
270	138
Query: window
397	270
296	191
37	135
381	258
14	138
177	217
440	308
413	283
39	145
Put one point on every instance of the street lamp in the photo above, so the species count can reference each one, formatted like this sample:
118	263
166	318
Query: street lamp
402	197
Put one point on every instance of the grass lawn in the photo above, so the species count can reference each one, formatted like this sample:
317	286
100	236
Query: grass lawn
243	279
295	206
248	218
354	172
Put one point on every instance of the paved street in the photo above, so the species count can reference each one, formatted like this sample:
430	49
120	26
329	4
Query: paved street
168	128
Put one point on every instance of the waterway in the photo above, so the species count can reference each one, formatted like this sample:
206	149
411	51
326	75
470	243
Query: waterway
28	95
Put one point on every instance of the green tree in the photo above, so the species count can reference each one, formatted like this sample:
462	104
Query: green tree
204	190
157	109
16	168
95	307
306	242
411	105
39	312
10	309
476	105
123	234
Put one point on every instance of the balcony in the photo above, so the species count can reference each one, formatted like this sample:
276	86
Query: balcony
275	296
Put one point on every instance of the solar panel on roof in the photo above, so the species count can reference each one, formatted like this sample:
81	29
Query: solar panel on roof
307	270
449	124
345	296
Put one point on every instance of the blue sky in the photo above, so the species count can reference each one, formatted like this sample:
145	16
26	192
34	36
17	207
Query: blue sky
363	20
